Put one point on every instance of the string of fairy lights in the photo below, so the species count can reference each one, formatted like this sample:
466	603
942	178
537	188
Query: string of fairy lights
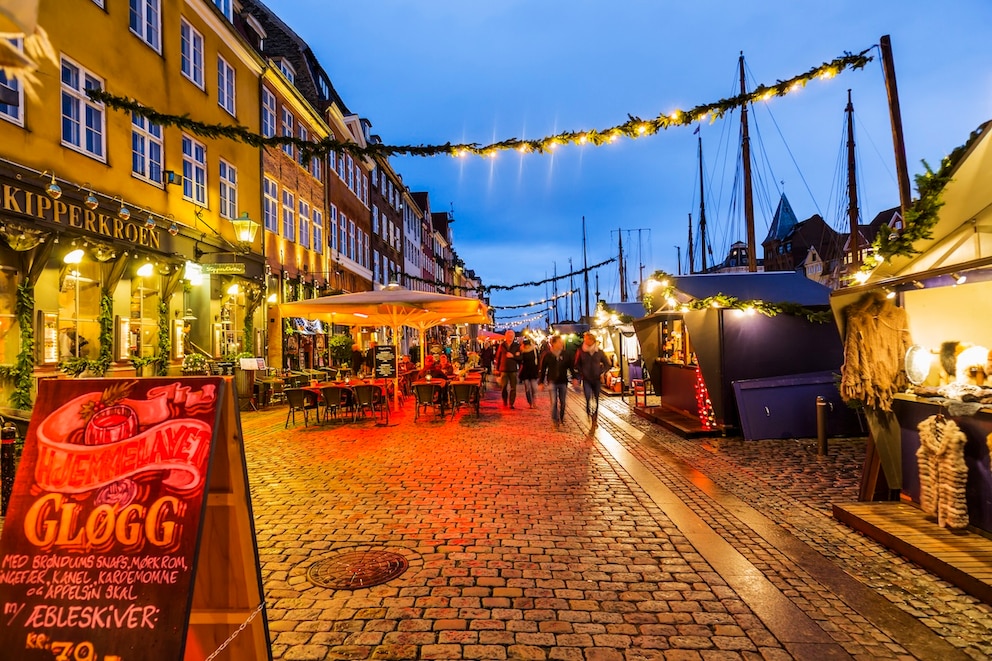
633	128
550	299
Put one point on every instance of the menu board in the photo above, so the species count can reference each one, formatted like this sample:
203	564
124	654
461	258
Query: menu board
385	361
99	544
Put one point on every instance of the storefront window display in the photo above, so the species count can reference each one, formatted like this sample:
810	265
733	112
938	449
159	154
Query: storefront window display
10	341
144	317
79	308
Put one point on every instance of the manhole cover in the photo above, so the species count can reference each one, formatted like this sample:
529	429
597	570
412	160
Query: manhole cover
357	569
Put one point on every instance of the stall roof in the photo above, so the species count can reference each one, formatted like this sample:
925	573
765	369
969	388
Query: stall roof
772	287
633	309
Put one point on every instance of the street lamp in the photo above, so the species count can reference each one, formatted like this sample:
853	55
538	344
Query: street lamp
245	228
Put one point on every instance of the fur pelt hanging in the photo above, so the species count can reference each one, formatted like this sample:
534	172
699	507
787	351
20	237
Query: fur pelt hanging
875	345
943	472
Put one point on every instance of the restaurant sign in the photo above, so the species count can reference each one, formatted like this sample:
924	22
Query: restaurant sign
223	268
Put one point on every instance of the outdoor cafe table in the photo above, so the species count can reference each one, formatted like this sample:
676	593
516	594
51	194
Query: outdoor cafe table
348	390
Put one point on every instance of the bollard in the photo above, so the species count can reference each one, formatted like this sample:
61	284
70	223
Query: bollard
821	426
8	436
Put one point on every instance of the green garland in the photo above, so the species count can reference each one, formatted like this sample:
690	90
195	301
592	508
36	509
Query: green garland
720	300
634	127
922	216
23	369
164	339
101	364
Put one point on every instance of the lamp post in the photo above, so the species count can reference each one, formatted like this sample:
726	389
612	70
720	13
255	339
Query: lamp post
245	228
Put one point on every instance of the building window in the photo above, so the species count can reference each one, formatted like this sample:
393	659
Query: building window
194	171
191	53
304	135
82	119
351	239
365	249
288	122
375	219
146	22
317	169
13	113
268	113
332	228
228	190
318	231
288	215
146	150
270	204
288	70
226	7
304	224
225	85
375	266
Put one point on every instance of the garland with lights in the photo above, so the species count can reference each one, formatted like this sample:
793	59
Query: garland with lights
634	127
605	314
707	418
98	366
23	369
530	305
719	300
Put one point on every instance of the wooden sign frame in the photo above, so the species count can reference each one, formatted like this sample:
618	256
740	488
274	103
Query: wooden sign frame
129	533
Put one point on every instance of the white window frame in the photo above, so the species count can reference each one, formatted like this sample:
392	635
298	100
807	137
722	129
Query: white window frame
304	135
226	7
317	220
288	124
304	224
148	16
289	215
191	53
375	219
268	113
13	114
332	227
375	266
194	170
82	122
287	70
226	86
270	205
146	140
317	169
227	177
352	248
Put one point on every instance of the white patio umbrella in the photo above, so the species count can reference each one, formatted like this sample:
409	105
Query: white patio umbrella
393	306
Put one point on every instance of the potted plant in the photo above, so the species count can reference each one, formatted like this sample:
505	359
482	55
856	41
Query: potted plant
194	364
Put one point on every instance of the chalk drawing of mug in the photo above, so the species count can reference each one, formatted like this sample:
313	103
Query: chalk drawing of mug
110	425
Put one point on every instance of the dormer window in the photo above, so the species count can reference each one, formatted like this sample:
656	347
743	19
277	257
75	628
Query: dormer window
287	70
257	34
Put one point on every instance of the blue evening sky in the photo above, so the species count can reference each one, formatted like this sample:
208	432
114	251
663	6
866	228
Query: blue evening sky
433	71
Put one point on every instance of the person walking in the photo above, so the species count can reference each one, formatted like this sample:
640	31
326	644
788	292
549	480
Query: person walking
554	370
528	370
506	365
590	364
357	360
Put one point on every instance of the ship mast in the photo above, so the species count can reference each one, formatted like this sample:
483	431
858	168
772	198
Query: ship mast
692	261
852	189
702	211
752	263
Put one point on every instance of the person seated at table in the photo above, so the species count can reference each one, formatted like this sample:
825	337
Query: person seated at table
445	366
405	364
431	369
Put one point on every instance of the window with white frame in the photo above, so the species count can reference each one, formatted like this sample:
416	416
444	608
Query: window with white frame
288	124
288	215
287	70
146	150
225	85
365	250
349	169
352	248
226	7
375	266
268	113
194	171
375	219
82	119
13	113
191	53
340	170
304	135
317	168
304	224
228	177
270	205
318	230
332	228
146	22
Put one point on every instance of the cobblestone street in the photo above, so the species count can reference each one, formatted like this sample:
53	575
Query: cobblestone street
620	541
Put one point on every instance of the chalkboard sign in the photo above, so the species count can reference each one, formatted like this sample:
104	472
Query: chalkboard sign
385	362
100	545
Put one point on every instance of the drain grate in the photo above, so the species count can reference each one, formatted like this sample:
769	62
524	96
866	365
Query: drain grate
357	569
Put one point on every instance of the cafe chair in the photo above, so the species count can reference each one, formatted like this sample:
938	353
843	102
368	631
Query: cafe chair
369	398
300	400
427	396
332	400
466	394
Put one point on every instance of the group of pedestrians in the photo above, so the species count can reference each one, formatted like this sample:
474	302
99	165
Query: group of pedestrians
519	362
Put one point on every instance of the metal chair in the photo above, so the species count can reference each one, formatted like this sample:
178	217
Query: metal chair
300	400
332	400
464	393
427	395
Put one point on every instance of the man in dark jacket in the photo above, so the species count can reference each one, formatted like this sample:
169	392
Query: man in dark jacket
506	366
554	369
590	363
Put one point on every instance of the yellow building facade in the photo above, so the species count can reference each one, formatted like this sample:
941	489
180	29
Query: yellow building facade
119	235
